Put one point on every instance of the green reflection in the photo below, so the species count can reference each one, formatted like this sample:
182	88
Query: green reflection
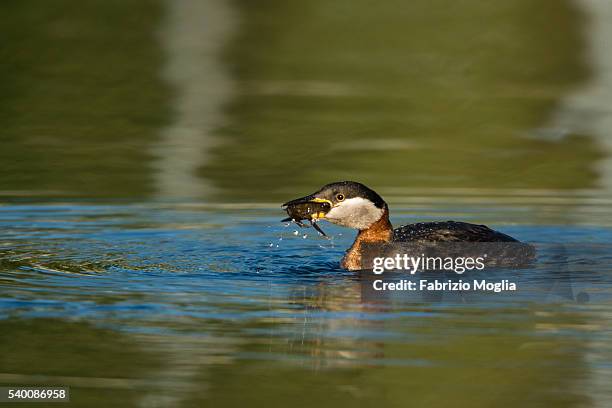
80	97
529	356
402	94
416	94
101	366
473	357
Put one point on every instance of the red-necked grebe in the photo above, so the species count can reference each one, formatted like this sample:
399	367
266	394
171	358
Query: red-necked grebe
353	205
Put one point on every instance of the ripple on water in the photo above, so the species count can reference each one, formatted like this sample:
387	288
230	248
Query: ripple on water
243	289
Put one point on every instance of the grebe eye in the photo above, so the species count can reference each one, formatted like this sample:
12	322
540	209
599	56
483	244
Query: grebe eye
340	197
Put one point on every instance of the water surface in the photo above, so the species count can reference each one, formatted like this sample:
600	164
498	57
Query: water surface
192	304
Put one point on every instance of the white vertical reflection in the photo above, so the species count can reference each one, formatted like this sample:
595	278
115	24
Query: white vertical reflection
193	35
588	110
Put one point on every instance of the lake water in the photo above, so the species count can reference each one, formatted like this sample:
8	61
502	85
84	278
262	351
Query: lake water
146	148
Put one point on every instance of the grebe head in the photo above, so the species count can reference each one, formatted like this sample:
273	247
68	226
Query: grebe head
352	204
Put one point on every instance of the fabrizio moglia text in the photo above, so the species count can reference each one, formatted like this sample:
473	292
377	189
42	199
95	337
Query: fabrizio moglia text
448	285
413	264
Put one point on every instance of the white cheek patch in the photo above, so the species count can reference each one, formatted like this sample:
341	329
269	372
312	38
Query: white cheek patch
357	213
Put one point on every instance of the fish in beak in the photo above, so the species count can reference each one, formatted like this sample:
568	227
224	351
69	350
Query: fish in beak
310	208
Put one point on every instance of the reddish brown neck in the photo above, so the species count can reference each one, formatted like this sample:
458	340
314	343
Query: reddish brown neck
380	231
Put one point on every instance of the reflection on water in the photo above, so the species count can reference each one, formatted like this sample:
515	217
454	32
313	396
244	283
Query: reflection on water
194	34
81	98
587	108
244	101
419	96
